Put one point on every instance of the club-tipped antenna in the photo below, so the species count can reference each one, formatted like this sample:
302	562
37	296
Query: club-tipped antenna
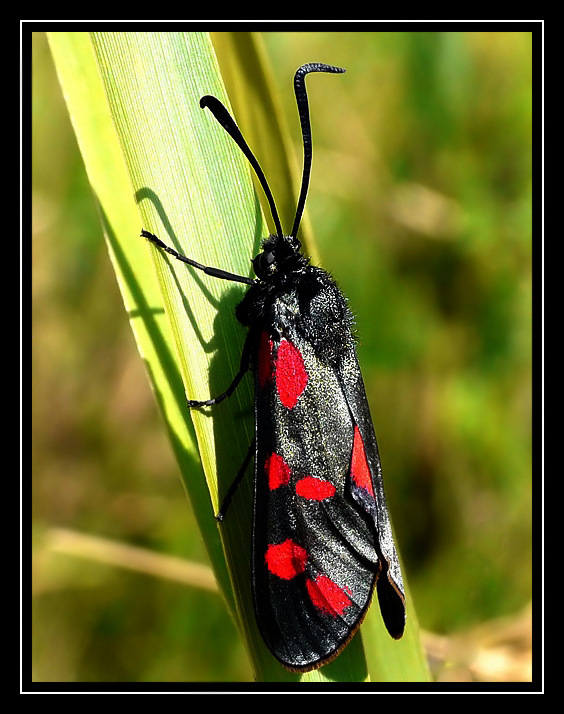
228	123
303	109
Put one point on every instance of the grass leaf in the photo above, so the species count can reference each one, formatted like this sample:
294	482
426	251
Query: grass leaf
157	161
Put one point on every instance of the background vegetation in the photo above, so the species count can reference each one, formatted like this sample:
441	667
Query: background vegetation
421	207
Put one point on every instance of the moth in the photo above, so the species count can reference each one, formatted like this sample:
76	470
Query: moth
321	538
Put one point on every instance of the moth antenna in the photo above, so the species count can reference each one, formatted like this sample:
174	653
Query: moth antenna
303	109
228	123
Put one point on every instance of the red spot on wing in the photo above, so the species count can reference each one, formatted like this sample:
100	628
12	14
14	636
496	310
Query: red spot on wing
327	596
315	489
286	560
277	471
291	375
264	359
360	470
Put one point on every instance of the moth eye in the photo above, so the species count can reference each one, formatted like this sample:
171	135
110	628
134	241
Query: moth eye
266	259
263	263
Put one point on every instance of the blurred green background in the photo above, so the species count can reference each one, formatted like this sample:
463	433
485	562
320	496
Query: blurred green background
420	203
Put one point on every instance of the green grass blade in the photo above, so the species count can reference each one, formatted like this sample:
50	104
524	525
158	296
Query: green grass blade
155	160
144	171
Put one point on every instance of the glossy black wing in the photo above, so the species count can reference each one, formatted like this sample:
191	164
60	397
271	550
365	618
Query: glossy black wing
390	588
316	543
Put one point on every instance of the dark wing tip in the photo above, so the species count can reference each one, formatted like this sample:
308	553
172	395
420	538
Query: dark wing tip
392	606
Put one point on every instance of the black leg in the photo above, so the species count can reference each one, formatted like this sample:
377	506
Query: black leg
244	367
236	481
194	403
214	272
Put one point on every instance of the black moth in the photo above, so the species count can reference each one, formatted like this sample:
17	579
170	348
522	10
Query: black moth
321	532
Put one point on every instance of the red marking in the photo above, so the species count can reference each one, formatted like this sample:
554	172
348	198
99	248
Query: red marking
327	596
264	359
277	471
360	471
315	489
291	375
286	560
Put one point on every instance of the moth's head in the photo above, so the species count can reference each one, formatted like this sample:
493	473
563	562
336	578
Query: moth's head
280	254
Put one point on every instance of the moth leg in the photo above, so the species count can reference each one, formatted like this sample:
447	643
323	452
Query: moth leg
195	403
243	369
214	272
236	481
